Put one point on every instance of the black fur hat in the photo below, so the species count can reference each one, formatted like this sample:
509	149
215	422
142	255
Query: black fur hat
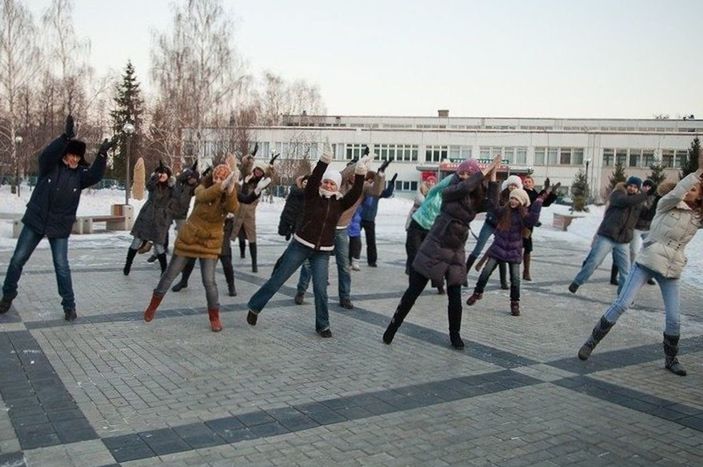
75	146
163	168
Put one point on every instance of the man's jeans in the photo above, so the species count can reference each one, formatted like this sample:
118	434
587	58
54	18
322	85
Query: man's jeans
26	243
207	271
341	252
634	282
292	259
600	249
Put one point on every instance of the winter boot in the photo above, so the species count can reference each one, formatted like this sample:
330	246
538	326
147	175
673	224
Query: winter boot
229	275
526	267
128	264
346	303
393	326
5	304
252	251
153	305
474	298
598	333
440	289
214	315
671	349
252	317
503	270
515	307
163	262
185	275
299	298
355	264
614	275
454	328
242	244
152	258
69	314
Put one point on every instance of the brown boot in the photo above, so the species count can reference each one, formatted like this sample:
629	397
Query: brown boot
153	305
214	315
526	271
474	298
514	307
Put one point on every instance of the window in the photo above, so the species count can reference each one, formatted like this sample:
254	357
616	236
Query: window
485	152
621	156
521	156
509	154
539	156
552	156
608	157
680	159
354	151
436	153
565	156
648	157
577	156
459	153
634	159
668	158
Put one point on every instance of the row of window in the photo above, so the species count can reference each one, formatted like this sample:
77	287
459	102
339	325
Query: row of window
558	156
670	158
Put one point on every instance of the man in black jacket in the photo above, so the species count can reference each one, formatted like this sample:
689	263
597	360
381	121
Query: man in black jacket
51	211
615	232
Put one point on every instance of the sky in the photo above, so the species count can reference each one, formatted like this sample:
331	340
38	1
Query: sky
500	58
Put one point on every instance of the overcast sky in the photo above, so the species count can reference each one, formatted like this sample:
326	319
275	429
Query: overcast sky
537	58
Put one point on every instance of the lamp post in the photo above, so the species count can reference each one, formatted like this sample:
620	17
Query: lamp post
18	141
588	189
128	129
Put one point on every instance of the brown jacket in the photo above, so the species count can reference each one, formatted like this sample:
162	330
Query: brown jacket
201	236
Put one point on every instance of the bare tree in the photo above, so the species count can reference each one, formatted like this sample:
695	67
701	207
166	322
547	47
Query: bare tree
19	63
280	98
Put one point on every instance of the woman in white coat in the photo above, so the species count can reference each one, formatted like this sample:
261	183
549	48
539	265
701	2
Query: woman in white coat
678	217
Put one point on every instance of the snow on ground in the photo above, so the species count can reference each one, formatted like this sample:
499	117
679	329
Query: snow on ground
390	223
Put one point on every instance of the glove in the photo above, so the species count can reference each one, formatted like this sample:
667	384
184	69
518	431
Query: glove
228	182
106	145
69	130
393	179
256	148
263	183
546	184
366	151
353	161
555	188
384	165
171	181
326	156
361	166
273	159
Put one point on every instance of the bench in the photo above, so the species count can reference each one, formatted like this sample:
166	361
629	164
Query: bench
562	221
85	224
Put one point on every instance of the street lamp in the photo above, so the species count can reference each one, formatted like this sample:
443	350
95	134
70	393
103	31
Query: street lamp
128	129
588	190
18	141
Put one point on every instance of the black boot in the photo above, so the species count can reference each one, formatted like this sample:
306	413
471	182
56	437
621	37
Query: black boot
242	244
455	327
252	251
614	275
671	349
229	275
503	270
162	262
185	275
393	326
5	304
526	260
598	333
128	264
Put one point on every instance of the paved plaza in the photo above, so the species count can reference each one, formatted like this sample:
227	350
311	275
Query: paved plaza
110	389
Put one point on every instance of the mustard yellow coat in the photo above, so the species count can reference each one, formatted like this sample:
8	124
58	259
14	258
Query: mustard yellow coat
202	234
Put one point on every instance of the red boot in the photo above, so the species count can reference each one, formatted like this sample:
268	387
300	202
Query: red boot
153	305
215	324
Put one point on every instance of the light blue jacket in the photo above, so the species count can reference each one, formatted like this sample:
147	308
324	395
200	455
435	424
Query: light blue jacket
429	209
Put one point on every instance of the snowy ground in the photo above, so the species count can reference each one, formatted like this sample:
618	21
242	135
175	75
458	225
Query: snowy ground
390	223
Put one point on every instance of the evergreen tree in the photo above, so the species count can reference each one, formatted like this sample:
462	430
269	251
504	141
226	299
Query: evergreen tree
616	177
691	163
657	175
579	191
128	108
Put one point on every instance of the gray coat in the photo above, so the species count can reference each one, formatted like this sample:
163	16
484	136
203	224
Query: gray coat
441	254
154	218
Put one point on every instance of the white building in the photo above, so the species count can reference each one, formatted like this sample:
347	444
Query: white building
554	148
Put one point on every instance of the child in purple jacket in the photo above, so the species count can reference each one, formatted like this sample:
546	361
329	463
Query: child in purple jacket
507	245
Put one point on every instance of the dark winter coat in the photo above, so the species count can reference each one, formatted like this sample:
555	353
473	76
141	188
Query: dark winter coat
507	244
154	218
370	204
180	199
321	213
226	244
292	214
51	209
649	208
621	215
441	254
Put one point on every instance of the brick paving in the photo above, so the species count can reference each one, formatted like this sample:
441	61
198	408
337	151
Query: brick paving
111	389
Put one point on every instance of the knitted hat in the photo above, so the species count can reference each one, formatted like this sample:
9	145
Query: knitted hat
221	171
261	165
431	179
634	181
521	195
512	180
469	165
334	175
648	183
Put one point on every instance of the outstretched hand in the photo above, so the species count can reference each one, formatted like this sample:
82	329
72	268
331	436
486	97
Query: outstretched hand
69	130
385	163
256	148
106	145
491	168
273	158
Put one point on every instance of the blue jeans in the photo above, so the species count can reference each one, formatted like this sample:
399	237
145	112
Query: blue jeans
207	271
292	259
634	282
26	243
600	249
483	236
341	251
489	267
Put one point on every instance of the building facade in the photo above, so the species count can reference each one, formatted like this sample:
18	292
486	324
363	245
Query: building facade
554	148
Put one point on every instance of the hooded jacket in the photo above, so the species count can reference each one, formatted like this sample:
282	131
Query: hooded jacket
621	215
51	209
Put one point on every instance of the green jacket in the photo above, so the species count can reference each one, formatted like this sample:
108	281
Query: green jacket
429	209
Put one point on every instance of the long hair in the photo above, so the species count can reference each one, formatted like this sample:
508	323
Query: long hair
506	217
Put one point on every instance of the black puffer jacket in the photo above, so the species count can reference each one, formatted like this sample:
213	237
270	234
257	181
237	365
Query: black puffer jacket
621	216
154	218
292	214
51	210
441	254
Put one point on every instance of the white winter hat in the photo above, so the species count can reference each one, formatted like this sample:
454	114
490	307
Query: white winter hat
512	180
521	195
334	175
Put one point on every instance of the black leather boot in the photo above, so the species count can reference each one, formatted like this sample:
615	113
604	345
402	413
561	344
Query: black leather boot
614	275
602	328
163	262
252	251
671	349
455	327
128	264
393	326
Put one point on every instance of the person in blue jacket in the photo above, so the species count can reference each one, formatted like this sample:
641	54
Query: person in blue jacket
51	211
368	221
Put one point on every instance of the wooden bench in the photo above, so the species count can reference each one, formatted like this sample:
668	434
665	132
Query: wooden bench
86	224
562	221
